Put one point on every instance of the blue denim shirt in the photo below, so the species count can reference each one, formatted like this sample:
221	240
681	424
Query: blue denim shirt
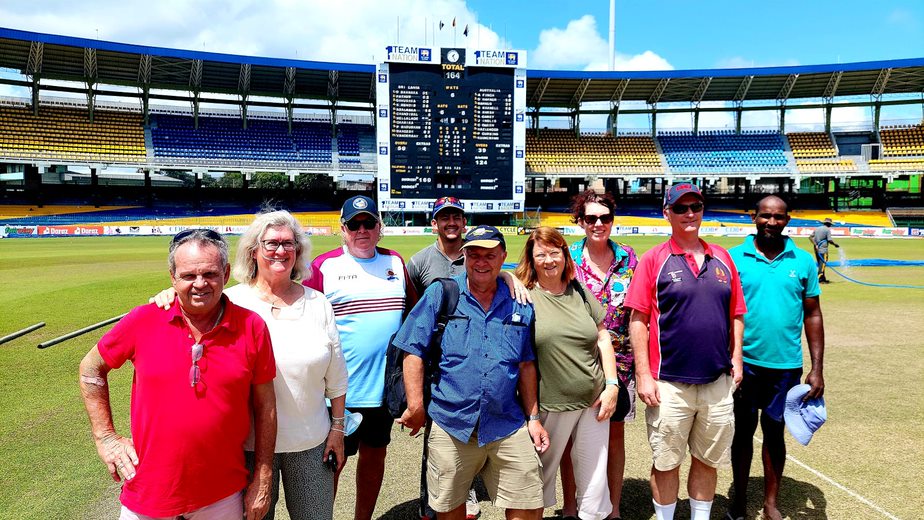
479	368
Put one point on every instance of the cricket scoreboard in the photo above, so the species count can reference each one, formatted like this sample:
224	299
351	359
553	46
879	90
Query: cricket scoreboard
451	121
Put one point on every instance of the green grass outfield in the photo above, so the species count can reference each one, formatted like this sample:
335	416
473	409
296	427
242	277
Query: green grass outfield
871	450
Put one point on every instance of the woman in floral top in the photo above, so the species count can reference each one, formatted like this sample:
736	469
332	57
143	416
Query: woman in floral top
605	267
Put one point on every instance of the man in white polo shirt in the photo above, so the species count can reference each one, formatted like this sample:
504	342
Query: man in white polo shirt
371	292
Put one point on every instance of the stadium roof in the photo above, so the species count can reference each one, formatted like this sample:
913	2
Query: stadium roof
95	61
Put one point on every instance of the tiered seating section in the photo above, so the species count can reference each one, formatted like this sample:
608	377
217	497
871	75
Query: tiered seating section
825	166
902	141
815	152
560	151
67	134
812	145
355	145
724	151
891	165
219	138
911	217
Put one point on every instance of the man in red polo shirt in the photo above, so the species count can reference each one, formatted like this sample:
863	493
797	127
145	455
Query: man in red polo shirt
198	368
686	329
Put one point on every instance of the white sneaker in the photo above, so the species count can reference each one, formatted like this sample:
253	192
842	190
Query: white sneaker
472	509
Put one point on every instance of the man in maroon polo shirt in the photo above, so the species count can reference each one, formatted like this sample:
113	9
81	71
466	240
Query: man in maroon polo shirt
203	370
686	329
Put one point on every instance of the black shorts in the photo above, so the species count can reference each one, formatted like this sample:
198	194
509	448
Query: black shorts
765	389
374	431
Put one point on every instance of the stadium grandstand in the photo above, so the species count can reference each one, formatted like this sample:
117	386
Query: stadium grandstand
156	132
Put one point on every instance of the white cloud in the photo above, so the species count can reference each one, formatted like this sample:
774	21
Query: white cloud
647	60
354	32
902	18
580	46
575	46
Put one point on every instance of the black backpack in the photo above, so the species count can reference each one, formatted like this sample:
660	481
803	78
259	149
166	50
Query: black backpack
395	398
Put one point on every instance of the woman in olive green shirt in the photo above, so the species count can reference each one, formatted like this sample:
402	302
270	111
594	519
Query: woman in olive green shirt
577	370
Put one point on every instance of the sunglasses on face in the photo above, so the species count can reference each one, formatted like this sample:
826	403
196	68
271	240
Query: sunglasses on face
354	225
681	209
590	220
208	233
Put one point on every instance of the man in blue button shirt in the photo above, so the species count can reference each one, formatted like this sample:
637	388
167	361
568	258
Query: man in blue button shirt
781	291
484	407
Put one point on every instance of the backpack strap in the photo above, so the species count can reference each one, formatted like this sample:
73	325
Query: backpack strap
448	304
579	288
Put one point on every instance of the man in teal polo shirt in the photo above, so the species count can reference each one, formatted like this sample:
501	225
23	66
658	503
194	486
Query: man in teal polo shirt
782	294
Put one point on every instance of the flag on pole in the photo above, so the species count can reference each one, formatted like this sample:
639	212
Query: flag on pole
441	25
465	32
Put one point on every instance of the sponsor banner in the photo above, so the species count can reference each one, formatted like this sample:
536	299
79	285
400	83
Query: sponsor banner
398	231
508	230
70	230
168	230
20	230
317	230
497	58
879	232
409	54
917	232
426	205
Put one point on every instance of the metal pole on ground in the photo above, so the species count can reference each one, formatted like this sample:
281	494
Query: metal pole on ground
22	332
80	331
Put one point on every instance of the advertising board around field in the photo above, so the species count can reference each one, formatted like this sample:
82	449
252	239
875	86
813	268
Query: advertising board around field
70	230
451	121
405	231
880	232
317	230
27	231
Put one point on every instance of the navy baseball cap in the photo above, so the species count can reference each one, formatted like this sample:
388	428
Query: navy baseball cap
356	205
446	203
679	190
484	236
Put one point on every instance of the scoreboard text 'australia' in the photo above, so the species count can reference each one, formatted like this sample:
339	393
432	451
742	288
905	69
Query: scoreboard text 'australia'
451	121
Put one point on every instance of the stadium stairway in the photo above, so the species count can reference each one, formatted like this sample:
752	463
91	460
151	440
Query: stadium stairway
148	142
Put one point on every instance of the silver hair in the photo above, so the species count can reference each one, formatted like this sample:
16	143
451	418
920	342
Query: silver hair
245	267
201	237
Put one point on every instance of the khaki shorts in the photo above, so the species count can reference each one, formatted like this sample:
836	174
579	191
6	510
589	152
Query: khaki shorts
510	468
701	416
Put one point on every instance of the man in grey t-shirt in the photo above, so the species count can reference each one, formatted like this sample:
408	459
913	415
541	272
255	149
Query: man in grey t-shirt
820	238
443	258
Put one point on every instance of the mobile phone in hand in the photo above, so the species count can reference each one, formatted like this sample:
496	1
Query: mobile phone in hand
331	461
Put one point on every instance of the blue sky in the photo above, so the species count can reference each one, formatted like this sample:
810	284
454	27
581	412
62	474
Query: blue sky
679	34
693	34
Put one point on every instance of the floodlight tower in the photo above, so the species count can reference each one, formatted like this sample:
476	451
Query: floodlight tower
611	119
612	64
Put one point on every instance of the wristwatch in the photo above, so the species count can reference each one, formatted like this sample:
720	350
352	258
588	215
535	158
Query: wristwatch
533	417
